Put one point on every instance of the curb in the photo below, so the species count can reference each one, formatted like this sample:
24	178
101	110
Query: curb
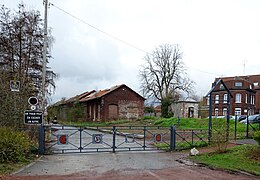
27	166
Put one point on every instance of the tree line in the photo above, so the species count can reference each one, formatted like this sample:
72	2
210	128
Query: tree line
21	59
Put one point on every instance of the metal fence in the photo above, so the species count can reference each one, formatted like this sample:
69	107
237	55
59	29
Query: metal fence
67	139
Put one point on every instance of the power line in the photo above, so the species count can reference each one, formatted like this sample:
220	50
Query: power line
116	38
111	36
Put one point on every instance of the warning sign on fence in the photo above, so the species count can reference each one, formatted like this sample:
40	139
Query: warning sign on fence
157	137
97	138
62	139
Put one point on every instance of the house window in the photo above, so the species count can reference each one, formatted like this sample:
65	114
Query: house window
221	86
216	112
238	111
246	99
217	99
238	98
224	111
252	100
238	84
225	98
207	99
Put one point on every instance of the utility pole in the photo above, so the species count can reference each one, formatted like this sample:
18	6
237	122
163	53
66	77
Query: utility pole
44	61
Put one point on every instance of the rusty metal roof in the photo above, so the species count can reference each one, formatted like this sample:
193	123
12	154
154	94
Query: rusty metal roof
78	97
90	95
100	93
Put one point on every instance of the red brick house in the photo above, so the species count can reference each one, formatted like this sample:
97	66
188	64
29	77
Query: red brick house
118	102
246	96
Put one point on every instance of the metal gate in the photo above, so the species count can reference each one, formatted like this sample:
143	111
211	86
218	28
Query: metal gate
67	139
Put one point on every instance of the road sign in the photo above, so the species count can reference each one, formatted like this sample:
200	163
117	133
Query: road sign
33	117
62	139
157	137
33	101
129	138
15	85
97	138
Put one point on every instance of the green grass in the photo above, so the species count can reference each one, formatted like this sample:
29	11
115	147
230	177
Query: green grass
94	124
239	158
7	168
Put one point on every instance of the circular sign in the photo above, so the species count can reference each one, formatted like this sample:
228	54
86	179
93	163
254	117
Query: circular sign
97	138
33	101
158	138
63	139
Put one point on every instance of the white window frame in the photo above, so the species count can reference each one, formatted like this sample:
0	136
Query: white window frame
252	99
224	111
207	99
216	111
225	98
238	98
246	99
216	99
238	84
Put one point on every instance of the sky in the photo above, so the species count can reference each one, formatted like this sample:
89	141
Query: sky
102	43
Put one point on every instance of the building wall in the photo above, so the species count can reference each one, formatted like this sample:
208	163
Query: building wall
248	98
121	103
130	105
181	109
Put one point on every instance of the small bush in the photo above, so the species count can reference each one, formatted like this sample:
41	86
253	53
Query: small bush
14	145
257	136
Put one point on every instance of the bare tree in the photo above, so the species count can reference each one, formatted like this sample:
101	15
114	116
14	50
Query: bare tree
163	75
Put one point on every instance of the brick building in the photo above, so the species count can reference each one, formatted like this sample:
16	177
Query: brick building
246	96
118	102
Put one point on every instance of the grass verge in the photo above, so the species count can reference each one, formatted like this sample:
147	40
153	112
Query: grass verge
239	158
8	168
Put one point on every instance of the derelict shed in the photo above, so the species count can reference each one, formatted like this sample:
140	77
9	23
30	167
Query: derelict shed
118	102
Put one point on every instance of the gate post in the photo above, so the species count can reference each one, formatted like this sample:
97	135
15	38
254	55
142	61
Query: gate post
247	127
41	140
114	139
173	138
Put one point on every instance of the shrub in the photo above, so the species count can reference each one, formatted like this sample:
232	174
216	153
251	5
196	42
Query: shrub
219	135
14	145
257	136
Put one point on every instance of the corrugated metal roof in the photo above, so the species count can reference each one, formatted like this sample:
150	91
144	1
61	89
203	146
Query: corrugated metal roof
100	93
78	97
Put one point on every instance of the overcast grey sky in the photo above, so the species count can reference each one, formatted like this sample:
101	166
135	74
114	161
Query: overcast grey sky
217	38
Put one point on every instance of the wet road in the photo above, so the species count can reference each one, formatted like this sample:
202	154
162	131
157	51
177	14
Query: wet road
101	163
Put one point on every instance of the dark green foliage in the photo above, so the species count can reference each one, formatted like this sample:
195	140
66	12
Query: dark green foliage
165	108
14	146
149	109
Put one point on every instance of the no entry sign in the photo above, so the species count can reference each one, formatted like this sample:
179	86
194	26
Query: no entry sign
157	137
62	139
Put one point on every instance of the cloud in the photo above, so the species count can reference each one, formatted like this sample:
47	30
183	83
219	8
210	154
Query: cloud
216	36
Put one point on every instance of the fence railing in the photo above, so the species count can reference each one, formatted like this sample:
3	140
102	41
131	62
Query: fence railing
65	139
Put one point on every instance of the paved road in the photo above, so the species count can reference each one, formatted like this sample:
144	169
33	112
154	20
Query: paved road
123	166
101	162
